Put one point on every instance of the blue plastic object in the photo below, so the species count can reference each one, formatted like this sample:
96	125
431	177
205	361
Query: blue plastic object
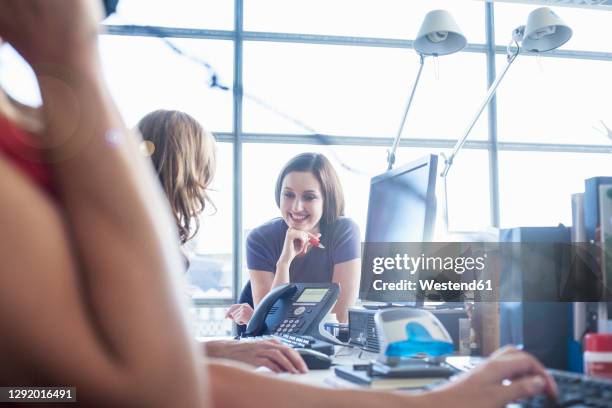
418	341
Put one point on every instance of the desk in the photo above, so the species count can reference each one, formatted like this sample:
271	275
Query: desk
327	378
345	356
350	356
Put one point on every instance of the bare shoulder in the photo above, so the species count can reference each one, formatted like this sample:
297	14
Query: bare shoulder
40	300
28	216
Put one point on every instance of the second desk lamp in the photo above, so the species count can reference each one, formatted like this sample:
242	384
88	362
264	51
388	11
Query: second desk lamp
544	31
439	35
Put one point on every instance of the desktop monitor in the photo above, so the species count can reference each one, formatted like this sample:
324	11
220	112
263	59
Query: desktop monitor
401	208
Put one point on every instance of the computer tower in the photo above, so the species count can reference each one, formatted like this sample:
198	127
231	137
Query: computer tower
540	325
362	329
600	313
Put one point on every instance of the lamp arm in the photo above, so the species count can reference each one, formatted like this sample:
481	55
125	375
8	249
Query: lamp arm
448	161
391	153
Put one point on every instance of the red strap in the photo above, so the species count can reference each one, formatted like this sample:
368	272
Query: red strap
22	150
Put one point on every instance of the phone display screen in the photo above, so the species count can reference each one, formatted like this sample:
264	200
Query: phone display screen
312	295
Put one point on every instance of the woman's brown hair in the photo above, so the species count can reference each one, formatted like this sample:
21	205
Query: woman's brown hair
184	155
321	168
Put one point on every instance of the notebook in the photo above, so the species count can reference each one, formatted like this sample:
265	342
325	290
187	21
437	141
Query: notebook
362	377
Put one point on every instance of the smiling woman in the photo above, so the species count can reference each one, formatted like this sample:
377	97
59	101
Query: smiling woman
310	198
302	213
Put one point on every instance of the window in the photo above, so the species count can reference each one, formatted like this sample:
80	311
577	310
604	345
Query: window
210	271
549	113
343	69
468	192
554	100
144	74
210	14
360	91
360	18
536	187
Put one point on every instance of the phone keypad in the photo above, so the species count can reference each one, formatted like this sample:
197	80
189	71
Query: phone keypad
289	326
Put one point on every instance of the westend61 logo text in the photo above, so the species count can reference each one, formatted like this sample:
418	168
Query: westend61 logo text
411	264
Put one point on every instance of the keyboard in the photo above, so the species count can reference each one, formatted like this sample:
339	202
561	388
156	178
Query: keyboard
575	391
299	341
295	341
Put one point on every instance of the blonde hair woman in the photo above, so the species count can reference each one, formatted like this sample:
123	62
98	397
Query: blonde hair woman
184	156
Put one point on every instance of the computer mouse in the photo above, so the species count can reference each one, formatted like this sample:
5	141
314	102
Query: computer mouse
315	360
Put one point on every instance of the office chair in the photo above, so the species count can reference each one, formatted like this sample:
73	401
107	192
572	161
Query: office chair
246	296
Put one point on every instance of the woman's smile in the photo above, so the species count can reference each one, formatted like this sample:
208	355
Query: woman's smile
298	218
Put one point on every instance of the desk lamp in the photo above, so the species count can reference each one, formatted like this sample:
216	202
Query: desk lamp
544	31
439	35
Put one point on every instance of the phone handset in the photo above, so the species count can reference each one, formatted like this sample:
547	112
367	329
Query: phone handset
257	324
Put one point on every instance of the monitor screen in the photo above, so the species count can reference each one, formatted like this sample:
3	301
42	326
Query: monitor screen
401	208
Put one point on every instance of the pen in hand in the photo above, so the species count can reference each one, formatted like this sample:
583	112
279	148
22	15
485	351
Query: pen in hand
315	242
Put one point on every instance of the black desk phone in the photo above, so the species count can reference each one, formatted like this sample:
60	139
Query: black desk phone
293	310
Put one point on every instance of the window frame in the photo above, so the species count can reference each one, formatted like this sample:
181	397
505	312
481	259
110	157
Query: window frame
238	137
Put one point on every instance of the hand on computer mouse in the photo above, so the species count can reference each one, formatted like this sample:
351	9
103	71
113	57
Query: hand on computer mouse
315	360
508	375
267	353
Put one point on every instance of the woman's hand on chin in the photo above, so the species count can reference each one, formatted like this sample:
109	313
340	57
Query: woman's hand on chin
297	243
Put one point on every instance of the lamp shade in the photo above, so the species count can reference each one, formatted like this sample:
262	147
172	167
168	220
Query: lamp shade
439	35
545	31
